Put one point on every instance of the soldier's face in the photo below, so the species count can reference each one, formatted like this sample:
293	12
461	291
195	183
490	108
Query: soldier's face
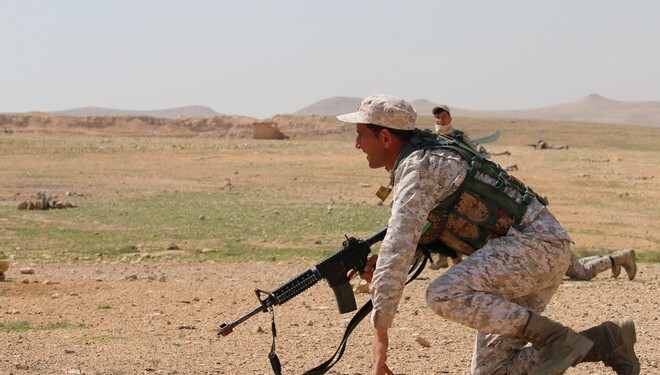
442	118
370	143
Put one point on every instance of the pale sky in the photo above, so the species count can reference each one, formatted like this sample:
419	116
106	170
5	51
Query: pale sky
261	58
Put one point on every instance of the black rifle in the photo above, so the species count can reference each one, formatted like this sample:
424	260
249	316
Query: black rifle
333	269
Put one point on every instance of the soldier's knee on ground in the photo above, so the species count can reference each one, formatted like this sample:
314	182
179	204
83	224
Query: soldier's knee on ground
559	347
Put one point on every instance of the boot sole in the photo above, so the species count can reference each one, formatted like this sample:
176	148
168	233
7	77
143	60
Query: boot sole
629	337
632	270
581	350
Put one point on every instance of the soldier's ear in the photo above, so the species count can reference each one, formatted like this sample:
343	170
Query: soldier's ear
386	136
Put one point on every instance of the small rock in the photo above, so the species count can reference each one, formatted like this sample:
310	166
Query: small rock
362	287
27	271
172	246
423	342
259	330
511	167
4	265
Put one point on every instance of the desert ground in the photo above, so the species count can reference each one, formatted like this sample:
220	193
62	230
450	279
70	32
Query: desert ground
170	236
140	318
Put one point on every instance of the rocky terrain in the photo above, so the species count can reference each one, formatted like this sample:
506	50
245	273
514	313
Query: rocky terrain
161	317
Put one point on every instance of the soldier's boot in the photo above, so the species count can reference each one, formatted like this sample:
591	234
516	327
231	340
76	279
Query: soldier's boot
559	347
440	262
616	270
625	259
614	345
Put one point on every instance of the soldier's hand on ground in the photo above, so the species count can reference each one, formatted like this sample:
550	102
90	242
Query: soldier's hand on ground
381	342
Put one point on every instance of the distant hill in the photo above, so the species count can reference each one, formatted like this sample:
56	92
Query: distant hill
331	106
592	108
189	111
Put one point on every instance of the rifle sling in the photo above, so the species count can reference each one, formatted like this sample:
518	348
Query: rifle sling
324	367
272	356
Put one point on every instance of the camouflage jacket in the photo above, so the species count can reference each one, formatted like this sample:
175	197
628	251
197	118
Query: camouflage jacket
421	183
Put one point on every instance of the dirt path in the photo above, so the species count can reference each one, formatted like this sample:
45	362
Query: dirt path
160	317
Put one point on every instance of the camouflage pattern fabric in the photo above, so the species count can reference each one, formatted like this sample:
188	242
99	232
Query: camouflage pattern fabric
492	289
384	110
421	181
501	355
588	267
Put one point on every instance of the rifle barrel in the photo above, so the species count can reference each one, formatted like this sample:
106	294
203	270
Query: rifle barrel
226	328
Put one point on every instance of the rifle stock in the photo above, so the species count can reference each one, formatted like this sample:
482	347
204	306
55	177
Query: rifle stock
333	269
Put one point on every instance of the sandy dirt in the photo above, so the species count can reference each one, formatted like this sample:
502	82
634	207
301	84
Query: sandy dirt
161	317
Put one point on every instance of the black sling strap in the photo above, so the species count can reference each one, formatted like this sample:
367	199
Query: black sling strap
272	356
324	367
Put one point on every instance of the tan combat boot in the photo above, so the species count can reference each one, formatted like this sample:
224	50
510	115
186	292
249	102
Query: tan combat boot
559	347
625	259
4	266
614	345
440	262
616	270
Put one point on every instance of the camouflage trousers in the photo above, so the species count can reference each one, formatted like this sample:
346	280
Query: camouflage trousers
588	267
493	290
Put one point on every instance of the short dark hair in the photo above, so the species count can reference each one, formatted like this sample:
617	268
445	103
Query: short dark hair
438	110
402	135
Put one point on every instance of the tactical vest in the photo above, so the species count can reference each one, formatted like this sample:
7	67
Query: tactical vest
486	204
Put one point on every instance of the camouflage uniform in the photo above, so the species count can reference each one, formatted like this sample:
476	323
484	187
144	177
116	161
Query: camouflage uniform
449	131
493	289
588	267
